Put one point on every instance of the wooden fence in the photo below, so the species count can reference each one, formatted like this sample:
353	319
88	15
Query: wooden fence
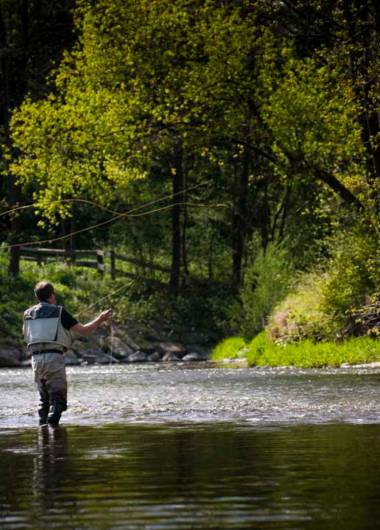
94	259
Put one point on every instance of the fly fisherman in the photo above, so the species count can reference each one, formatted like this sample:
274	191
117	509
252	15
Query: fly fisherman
48	330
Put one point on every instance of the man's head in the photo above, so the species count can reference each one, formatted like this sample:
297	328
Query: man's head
44	292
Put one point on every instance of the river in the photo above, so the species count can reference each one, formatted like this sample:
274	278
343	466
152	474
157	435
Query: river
168	446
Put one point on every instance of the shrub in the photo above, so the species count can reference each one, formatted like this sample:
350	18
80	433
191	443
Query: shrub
354	272
231	348
323	300
365	320
303	315
267	279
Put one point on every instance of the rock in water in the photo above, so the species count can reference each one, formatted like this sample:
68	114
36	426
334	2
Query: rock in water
171	347
171	357
118	346
137	357
154	357
71	359
192	357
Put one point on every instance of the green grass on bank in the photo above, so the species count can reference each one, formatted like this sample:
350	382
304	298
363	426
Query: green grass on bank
305	354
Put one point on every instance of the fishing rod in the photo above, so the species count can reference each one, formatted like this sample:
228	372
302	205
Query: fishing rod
109	296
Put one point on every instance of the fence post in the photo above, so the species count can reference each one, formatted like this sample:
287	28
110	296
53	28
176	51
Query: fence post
14	261
113	264
100	261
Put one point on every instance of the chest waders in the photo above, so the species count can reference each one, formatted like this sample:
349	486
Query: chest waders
46	340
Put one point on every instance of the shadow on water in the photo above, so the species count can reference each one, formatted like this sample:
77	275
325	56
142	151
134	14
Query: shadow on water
185	475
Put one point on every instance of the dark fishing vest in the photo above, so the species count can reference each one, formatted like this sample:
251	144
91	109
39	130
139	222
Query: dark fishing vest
43	329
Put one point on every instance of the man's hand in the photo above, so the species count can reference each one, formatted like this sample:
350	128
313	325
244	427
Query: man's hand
105	315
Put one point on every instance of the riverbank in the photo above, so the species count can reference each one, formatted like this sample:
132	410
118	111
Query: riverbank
133	342
149	323
305	354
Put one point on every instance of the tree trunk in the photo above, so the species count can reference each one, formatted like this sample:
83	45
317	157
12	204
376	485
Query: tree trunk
14	196
177	186
8	98
13	191
184	228
264	217
357	15
239	226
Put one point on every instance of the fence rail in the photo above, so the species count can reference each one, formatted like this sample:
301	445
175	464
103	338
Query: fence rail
75	258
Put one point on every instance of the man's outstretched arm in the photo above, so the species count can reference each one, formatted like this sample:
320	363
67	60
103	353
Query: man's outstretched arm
90	327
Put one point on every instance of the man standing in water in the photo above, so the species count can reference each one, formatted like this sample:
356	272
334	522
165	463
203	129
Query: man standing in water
47	332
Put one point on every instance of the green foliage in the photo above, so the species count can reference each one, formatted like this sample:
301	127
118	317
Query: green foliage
312	116
267	279
144	77
259	133
80	290
231	348
365	320
353	271
199	312
320	304
306	354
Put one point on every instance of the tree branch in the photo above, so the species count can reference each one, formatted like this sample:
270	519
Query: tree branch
338	187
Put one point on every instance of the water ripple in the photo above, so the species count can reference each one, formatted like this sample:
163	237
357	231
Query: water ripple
151	393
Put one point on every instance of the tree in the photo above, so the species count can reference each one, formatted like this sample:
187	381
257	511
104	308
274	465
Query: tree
33	35
205	95
129	98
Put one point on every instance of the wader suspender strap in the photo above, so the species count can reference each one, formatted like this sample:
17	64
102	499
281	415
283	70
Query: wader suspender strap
59	322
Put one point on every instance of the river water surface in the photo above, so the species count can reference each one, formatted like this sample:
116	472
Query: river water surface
159	447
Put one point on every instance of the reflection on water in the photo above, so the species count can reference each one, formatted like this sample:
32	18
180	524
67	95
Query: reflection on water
190	476
172	448
50	466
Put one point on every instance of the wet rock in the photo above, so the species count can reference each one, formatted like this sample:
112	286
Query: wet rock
192	357
362	365
147	346
99	358
71	359
154	357
235	361
138	357
171	357
107	359
130	342
89	358
10	357
117	346
174	348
